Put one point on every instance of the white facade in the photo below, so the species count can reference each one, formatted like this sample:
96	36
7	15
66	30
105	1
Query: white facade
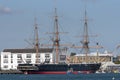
10	61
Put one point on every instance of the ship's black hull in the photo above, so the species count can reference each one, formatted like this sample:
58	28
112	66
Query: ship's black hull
61	68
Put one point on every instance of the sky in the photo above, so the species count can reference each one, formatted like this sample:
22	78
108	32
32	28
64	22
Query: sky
17	21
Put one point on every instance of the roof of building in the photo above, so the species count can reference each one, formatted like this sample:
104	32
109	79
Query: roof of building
42	50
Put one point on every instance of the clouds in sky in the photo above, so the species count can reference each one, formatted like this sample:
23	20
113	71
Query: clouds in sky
5	10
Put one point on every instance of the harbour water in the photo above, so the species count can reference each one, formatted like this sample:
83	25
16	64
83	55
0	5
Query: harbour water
104	76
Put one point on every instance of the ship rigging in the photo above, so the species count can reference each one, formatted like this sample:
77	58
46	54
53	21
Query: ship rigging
56	67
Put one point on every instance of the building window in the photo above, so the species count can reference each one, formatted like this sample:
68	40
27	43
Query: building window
11	55
5	61
39	56
19	56
19	61
5	56
5	66
28	56
47	55
11	61
28	61
38	60
84	58
91	58
12	66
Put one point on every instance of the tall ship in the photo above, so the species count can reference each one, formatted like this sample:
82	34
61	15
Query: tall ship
59	64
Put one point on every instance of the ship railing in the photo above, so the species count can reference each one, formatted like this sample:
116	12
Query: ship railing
27	67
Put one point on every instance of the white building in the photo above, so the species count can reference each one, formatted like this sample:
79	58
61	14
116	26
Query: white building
10	58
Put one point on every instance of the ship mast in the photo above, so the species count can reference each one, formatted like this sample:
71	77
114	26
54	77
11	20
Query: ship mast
36	40
85	41
56	40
